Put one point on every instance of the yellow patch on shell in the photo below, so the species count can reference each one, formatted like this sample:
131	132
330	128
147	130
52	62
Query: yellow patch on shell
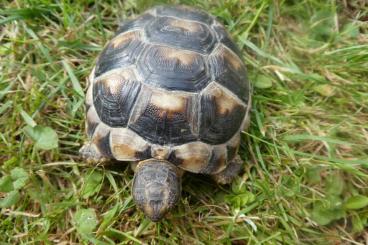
101	131
123	39
169	102
225	103
188	26
125	144
184	58
124	151
92	116
114	82
89	95
230	58
192	156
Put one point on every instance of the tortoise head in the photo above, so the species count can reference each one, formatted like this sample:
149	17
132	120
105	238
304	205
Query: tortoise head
156	187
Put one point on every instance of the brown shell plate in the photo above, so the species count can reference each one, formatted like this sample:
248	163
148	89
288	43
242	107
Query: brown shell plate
169	85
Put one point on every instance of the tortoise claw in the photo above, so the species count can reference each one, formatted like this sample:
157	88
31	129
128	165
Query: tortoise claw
91	154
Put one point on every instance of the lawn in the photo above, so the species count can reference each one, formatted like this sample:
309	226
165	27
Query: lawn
305	178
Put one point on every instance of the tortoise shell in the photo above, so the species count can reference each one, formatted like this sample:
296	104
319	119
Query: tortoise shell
170	85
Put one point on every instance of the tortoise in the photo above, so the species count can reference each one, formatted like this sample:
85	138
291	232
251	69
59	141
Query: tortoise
168	94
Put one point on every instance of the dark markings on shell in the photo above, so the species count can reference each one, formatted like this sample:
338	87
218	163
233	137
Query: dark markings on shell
121	51
136	23
144	154
177	64
221	115
173	69
217	161
90	128
229	71
128	146
192	156
92	121
224	37
184	12
103	144
130	152
174	159
163	117
181	33
114	97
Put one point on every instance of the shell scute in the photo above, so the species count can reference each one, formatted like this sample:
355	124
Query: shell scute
192	156
114	96
101	140
164	117
228	70
224	37
221	115
92	121
128	146
121	51
217	162
173	69
181	33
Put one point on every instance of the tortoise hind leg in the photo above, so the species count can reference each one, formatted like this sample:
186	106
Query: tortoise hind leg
91	154
230	172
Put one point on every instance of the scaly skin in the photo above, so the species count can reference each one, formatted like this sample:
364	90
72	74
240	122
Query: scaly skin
230	172
156	187
90	153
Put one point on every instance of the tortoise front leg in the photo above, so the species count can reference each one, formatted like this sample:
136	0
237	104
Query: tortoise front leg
91	154
230	172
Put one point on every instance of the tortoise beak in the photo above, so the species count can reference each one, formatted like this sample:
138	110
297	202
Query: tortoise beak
157	205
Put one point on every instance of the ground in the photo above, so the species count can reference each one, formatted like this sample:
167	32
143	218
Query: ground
305	178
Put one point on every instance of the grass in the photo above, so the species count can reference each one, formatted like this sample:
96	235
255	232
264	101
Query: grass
306	153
